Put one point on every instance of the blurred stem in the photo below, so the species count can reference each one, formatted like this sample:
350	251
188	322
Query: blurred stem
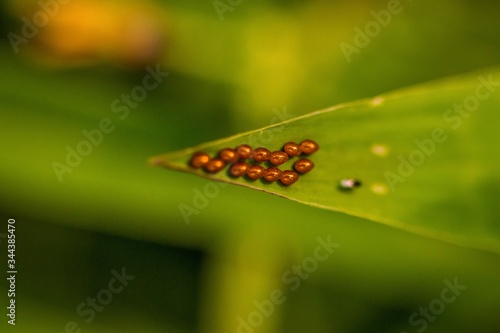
243	277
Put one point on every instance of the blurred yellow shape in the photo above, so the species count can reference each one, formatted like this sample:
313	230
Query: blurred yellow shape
85	32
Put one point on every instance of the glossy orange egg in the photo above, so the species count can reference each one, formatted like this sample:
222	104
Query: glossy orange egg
199	159
272	174
309	147
292	149
214	165
255	172
289	177
238	169
228	155
303	165
278	157
261	154
244	152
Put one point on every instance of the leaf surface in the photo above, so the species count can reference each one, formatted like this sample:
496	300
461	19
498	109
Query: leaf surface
426	156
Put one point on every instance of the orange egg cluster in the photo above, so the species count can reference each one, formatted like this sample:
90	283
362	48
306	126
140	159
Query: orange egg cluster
245	161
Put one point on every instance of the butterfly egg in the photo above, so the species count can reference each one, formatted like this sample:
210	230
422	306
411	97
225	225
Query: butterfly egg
244	152
199	159
303	165
309	147
272	174
214	165
292	149
238	169
228	155
349	184
261	154
289	177
255	172
278	157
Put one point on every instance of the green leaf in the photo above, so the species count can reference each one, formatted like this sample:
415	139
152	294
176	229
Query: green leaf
427	158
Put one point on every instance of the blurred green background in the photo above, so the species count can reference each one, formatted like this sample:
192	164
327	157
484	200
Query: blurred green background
112	212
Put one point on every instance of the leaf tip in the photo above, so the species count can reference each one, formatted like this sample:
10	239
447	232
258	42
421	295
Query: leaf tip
155	161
